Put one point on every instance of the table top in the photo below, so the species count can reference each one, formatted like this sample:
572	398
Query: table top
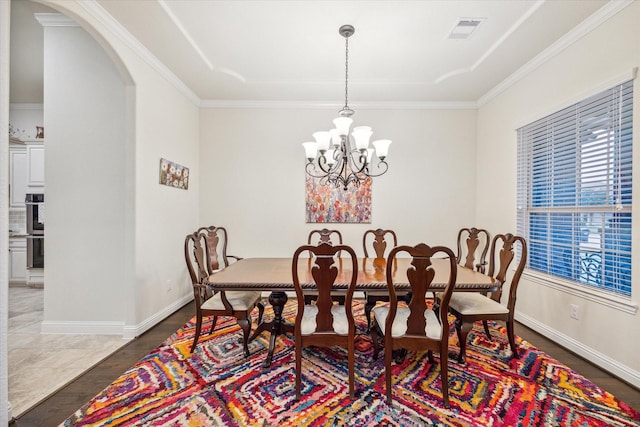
274	274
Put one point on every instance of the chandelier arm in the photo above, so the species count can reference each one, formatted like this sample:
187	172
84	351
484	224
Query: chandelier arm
322	164
373	175
325	181
325	166
311	171
362	158
345	180
327	170
336	179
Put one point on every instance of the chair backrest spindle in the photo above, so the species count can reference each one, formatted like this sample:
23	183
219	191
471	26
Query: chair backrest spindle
379	242
473	244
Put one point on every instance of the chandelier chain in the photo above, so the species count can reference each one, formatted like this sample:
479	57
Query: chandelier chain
346	74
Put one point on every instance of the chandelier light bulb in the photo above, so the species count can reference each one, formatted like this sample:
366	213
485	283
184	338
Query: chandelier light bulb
336	139
382	148
311	150
342	125
361	135
323	138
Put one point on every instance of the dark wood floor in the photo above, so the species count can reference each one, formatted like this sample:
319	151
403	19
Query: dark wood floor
59	406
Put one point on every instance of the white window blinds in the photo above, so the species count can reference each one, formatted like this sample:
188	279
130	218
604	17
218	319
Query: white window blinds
574	191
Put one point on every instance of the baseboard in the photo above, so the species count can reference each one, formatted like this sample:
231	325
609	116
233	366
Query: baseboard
113	328
130	332
603	361
82	328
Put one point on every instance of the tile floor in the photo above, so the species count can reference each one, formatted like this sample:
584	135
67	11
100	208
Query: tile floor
40	364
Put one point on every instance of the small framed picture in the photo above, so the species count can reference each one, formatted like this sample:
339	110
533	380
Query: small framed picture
174	175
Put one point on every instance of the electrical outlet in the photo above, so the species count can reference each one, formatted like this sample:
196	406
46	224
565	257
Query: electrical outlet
169	286
575	311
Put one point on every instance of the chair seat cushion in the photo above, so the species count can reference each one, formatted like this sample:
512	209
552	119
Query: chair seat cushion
471	303
433	329
340	323
239	300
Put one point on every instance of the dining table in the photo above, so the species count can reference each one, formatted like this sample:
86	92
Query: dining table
275	275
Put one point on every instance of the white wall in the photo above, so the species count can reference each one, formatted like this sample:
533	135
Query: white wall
85	181
5	405
115	146
25	117
163	215
604	335
253	177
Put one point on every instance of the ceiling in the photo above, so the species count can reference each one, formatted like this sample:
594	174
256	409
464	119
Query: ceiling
291	51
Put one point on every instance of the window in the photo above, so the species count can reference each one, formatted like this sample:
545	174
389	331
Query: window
574	191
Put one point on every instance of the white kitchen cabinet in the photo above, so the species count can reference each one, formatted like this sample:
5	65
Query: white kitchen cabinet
35	166
35	277
18	260
26	170
17	175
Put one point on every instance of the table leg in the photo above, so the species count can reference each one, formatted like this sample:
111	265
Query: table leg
276	326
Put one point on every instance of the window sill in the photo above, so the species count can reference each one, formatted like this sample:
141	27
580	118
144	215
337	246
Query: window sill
604	298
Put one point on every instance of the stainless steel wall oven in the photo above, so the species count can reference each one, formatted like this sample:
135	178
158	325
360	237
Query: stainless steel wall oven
35	230
35	251
35	213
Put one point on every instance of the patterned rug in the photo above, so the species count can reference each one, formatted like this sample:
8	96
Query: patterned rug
217	386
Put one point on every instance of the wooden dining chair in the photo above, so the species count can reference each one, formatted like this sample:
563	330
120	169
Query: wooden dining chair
473	244
217	240
238	304
324	323
324	236
414	326
469	307
376	240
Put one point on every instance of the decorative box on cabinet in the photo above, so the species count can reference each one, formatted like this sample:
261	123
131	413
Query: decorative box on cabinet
18	260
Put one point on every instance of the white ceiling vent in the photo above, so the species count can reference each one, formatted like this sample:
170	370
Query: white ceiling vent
464	27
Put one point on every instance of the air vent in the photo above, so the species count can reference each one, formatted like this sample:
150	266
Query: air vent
463	28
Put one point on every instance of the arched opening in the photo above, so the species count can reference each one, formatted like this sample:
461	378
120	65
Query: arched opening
87	108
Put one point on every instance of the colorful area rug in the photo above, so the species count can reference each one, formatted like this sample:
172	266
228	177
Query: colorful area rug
217	386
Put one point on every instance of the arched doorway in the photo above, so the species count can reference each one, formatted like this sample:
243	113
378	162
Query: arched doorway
87	101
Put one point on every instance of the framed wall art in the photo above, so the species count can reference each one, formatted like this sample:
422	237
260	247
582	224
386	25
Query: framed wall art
174	175
330	204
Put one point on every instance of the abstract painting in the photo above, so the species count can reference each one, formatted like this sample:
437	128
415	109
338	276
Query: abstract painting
328	203
174	175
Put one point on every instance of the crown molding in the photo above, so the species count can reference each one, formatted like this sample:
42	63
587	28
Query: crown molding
311	105
584	28
101	15
588	25
55	20
495	45
196	47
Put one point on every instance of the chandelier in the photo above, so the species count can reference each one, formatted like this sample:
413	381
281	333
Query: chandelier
338	159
